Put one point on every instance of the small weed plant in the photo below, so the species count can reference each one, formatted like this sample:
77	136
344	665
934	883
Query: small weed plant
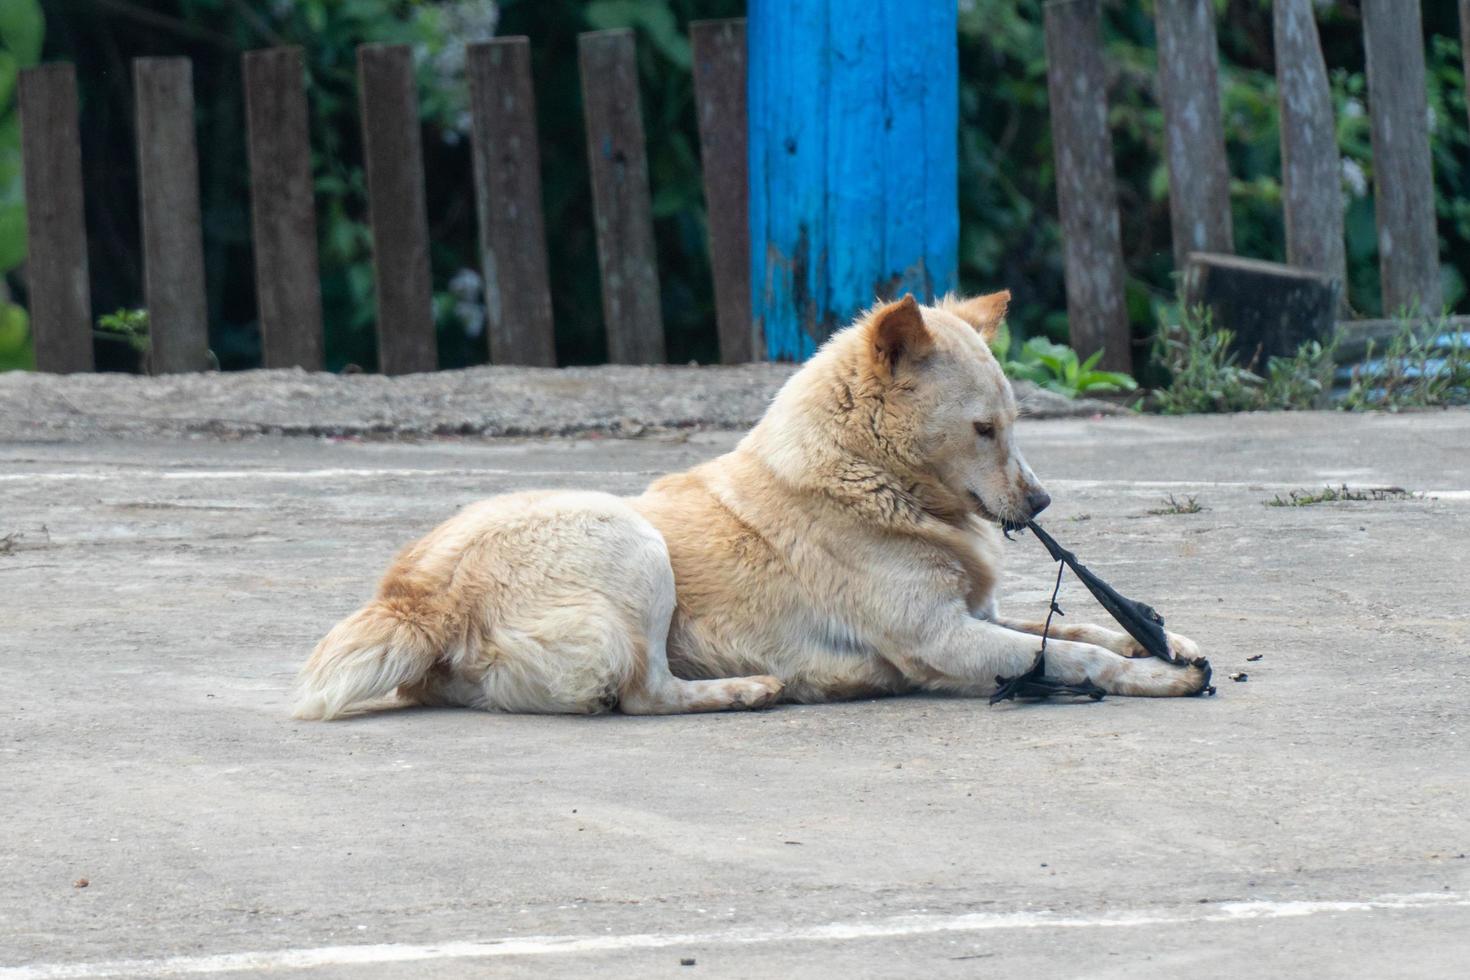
1418	368
1189	505
1205	375
1334	495
130	325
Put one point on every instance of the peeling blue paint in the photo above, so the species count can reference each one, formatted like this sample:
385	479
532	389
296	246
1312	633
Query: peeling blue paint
854	118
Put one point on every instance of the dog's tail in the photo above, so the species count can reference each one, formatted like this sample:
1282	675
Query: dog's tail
365	656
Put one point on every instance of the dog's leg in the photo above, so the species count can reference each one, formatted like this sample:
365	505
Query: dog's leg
669	695
656	691
1117	641
968	655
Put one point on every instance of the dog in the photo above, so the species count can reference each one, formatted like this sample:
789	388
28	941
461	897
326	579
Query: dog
848	547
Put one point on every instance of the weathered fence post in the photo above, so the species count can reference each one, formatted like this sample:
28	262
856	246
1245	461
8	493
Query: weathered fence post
1189	88
283	216
618	160
1086	195
719	97
1403	176
395	177
1311	181
854	119
173	240
60	291
508	202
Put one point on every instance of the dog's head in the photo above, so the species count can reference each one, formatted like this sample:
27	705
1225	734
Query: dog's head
949	415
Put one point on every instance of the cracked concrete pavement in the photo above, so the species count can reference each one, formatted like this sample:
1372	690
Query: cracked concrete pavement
160	591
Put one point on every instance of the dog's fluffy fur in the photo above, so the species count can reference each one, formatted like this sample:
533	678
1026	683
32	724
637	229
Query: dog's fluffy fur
849	546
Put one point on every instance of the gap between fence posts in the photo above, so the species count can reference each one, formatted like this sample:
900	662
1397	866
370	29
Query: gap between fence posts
393	151
719	99
1086	195
283	210
622	211
173	239
56	265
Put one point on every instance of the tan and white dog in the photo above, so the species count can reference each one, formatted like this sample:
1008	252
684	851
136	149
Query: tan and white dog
848	547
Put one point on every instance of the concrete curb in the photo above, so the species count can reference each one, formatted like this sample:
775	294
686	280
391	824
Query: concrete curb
480	401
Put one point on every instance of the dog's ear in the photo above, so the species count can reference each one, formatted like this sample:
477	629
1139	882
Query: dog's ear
984	313
898	333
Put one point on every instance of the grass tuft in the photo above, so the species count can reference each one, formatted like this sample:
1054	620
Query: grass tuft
1417	368
1333	495
1205	374
1189	505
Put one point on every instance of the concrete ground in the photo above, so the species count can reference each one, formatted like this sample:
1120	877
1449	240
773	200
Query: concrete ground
158	595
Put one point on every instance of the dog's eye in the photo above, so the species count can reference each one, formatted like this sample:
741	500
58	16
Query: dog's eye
984	430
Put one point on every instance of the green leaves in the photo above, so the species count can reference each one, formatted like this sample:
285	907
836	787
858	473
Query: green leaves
1425	363
16	353
131	325
1055	367
1206	375
653	18
21	29
12	233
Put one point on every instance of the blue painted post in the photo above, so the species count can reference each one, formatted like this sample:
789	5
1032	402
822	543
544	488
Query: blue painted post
854	117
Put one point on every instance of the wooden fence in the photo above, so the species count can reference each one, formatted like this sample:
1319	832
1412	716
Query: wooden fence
508	192
1199	202
507	187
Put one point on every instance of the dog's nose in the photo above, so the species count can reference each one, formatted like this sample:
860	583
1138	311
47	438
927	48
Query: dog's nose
1038	501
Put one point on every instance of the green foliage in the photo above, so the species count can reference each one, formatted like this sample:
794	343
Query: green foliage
21	30
656	20
1423	365
22	27
16	353
1205	374
1055	367
1418	368
1303	380
130	325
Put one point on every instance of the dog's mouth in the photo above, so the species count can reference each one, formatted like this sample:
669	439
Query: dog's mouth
1006	524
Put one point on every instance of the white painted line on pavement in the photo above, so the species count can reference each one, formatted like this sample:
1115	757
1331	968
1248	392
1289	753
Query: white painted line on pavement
913	925
366	473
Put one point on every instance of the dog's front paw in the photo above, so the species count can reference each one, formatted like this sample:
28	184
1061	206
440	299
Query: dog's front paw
1183	649
1192	677
1153	678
